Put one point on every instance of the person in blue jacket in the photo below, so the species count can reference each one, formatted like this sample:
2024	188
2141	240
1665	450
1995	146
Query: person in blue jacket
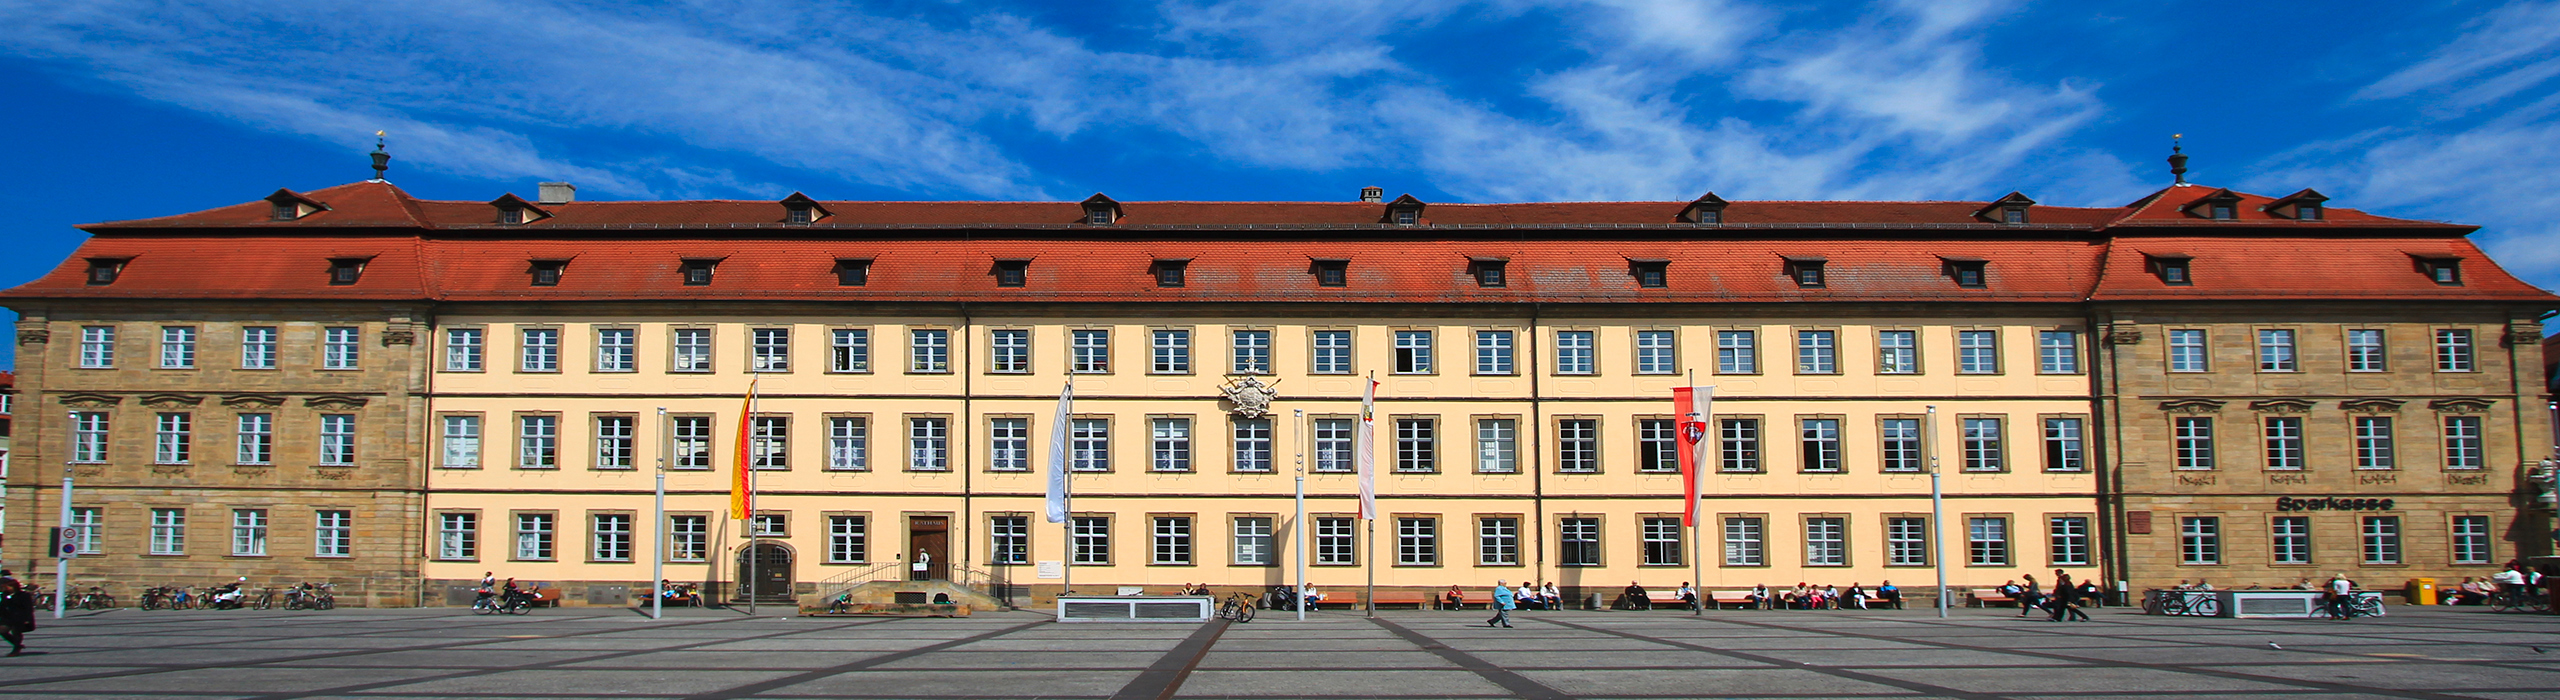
1503	601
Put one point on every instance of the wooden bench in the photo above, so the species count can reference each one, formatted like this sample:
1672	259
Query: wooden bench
546	597
1666	599
1986	597
1719	599
1417	600
1442	599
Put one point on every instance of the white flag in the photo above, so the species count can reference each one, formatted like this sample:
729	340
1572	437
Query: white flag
1364	451
1058	466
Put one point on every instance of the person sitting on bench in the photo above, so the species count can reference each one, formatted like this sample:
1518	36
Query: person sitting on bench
1760	596
1891	596
1633	598
1688	596
1454	599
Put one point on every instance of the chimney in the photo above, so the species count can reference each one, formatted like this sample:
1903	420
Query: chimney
1373	195
556	193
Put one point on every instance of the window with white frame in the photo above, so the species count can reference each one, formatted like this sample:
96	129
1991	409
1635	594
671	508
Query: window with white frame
928	444
1574	352
1336	542
1738	449
1493	352
1252	445
169	531
1578	446
1497	445
1333	445
1737	352
1416	446
1906	541
848	539
2199	540
1331	353
1657	445
1089	444
848	443
1901	444
1826	542
1009	444
615	442
769	350
2187	351
692	350
457	536
2381	539
2453	350
1662	541
2068	536
1169	444
1578	542
2282	436
1977	352
337	439
249	532
2471	539
177	347
2365	350
173	438
849	350
97	347
688	537
1743	543
1171	351
1656	353
88	437
1413	352
88	530
2463	448
2063	450
769	442
338	347
617	350
1089	351
537	442
1009	539
1090	540
610	536
2374	443
1252	352
1987	541
928	350
1821	445
2058	352
256	439
1252	541
1417	541
333	533
258	348
461	436
691	438
2193	441
2275	350
1009	350
1817	352
540	351
1982	449
2289	539
1498	541
1897	352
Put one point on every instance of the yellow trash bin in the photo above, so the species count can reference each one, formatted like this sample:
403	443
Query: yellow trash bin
2422	591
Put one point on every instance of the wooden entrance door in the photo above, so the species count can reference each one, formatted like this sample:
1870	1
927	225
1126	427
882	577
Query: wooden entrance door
929	538
764	572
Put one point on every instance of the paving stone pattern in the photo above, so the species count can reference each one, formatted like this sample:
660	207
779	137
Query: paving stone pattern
710	654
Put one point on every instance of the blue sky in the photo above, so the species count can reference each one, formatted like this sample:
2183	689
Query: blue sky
2440	110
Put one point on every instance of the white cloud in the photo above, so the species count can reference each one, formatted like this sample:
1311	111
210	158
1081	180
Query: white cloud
2513	46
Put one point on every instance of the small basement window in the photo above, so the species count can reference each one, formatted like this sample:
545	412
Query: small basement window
546	273
1651	274
1489	272
1806	272
697	273
2444	271
2172	270
345	271
103	271
1169	273
1010	273
1332	273
853	272
1966	272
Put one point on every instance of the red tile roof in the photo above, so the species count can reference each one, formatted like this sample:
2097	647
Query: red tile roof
1259	251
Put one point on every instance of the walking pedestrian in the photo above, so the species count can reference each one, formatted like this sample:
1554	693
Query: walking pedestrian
2342	594
1503	601
17	615
2066	599
2029	596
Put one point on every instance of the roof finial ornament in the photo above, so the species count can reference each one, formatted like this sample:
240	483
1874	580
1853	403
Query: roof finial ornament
2177	160
381	158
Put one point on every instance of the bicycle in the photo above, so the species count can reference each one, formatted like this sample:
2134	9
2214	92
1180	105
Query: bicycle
2358	605
266	599
155	597
96	599
1239	607
2179	603
2506	599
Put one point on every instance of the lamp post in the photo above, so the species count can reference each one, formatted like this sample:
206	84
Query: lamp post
69	546
1298	527
658	561
1937	510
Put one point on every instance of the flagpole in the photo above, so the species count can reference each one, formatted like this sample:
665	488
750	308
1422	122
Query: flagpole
1060	498
1697	525
1298	527
658	561
1369	493
1937	511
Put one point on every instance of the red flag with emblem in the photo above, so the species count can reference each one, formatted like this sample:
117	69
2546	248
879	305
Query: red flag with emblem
1693	406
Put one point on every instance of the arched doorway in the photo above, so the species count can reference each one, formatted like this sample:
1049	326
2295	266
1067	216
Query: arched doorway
764	573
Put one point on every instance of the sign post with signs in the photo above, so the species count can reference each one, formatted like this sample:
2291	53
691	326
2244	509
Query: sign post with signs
67	546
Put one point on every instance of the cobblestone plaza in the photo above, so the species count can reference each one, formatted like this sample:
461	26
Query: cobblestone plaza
2432	653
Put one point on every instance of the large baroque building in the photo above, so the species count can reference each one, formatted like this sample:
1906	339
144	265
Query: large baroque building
354	384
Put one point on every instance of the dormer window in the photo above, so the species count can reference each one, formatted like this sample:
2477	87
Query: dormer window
853	272
798	215
2171	269
288	205
1405	211
103	271
2010	209
2218	205
2300	206
511	215
285	211
1100	210
1169	273
1967	272
2225	212
345	271
1011	273
2013	215
2443	271
1489	271
2306	212
799	210
1332	273
1408	217
1706	209
1651	274
513	210
697	273
546	273
1806	271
